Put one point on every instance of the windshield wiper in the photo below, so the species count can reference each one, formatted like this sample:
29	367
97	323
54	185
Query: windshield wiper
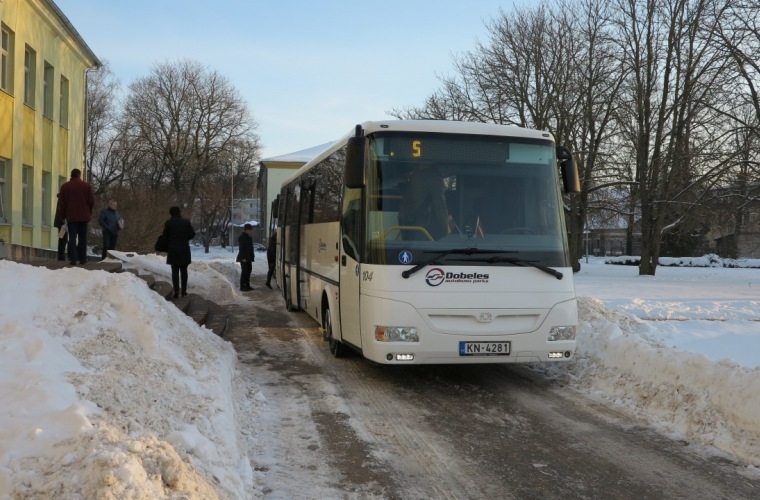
444	253
519	262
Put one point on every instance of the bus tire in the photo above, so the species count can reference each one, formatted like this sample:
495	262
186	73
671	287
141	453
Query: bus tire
337	349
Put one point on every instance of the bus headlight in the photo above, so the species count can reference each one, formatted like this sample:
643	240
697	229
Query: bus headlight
562	333
396	334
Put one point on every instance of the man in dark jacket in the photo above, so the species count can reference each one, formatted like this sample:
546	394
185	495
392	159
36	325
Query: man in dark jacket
271	257
110	224
245	257
178	233
75	203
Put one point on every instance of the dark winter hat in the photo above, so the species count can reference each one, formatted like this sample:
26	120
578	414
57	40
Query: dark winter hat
248	226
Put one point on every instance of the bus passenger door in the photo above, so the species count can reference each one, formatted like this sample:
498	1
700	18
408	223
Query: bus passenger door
290	254
350	269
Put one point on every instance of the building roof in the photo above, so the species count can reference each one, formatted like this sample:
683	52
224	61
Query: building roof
302	156
74	33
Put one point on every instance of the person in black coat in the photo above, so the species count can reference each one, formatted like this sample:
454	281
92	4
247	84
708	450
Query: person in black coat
245	257
271	257
178	233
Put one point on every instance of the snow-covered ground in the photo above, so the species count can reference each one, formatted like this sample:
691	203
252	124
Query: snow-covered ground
108	391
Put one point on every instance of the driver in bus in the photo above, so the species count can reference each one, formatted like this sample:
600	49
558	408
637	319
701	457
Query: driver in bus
422	212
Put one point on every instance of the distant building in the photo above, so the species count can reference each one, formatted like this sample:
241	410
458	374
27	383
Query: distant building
609	241
273	173
43	72
735	222
246	210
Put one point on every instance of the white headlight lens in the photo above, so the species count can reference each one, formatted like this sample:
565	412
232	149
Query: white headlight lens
562	333
396	334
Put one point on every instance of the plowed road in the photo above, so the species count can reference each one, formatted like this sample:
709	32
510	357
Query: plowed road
348	428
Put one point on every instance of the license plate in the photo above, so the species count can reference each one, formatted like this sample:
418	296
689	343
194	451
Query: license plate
484	348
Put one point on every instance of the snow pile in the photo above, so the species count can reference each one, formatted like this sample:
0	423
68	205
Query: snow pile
679	351
709	260
111	392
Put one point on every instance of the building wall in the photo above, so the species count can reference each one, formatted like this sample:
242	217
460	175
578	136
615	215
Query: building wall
273	175
43	139
749	245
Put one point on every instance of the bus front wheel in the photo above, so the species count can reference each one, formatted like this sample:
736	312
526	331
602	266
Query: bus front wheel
337	349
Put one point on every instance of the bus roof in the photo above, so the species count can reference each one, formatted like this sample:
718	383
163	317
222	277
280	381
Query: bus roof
451	127
433	126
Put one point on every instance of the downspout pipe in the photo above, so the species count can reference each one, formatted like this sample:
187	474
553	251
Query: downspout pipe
85	127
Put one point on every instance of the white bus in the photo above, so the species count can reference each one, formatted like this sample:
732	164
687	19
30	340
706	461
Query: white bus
431	242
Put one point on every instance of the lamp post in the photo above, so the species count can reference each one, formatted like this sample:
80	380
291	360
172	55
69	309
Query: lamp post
232	208
586	234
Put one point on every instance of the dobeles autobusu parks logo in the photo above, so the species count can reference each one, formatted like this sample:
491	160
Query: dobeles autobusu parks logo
436	276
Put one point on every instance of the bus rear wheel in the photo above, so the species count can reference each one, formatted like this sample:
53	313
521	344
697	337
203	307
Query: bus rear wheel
337	349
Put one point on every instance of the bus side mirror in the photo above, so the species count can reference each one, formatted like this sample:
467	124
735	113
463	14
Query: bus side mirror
570	179
355	153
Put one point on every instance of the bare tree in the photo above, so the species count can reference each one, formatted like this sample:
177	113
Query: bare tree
215	197
549	69
171	142
587	95
644	92
185	119
741	40
102	133
740	37
675	78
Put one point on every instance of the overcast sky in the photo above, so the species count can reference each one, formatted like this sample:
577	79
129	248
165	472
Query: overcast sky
309	70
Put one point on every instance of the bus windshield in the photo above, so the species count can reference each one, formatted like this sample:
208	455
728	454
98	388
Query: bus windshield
429	193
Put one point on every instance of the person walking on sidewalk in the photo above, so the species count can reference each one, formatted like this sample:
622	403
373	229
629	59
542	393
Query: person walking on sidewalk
245	257
271	257
178	233
75	205
110	223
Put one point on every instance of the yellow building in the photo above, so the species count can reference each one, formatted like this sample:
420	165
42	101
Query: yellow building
43	73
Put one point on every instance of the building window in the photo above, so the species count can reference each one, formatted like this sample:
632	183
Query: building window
26	194
6	60
64	118
30	64
47	178
47	96
3	200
